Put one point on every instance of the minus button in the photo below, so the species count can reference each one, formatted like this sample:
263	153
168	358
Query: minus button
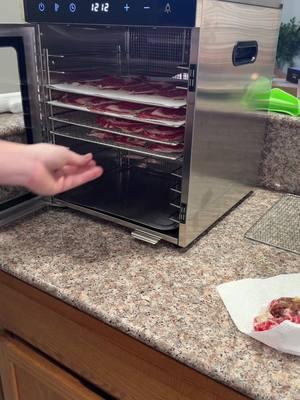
147	8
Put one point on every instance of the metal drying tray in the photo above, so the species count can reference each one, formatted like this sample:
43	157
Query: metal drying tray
85	120
280	226
162	122
119	95
78	133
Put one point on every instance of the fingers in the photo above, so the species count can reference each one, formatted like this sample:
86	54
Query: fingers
58	169
71	169
83	176
77	159
47	183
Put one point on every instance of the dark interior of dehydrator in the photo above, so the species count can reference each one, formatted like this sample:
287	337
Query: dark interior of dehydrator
142	182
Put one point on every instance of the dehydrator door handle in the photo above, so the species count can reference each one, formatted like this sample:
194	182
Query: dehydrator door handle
245	53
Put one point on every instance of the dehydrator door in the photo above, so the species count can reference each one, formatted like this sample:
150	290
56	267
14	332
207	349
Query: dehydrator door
19	99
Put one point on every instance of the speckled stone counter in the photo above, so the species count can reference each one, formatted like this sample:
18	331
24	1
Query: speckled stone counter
281	158
163	296
11	128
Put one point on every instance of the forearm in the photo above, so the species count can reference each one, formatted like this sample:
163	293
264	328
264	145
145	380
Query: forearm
15	165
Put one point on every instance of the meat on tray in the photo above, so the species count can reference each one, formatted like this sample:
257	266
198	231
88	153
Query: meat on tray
117	83
167	149
280	310
122	125
138	143
158	113
118	139
137	85
163	133
135	142
138	128
144	88
109	83
86	101
76	100
101	135
174	93
123	107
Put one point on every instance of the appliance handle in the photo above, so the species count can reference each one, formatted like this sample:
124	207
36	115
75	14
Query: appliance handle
245	53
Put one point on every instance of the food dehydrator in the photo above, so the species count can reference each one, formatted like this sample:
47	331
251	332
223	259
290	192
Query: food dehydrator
154	89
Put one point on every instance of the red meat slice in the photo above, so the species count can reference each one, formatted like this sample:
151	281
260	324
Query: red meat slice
135	142
101	135
93	103
76	100
123	107
148	88
138	128
110	82
118	139
136	85
175	94
84	101
162	89
98	104
163	133
163	113
120	125
164	148
118	83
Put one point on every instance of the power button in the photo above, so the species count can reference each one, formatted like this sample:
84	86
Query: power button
42	7
72	7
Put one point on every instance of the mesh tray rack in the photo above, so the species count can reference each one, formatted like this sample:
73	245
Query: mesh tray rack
280	226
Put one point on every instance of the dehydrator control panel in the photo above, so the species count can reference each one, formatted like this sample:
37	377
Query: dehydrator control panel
173	13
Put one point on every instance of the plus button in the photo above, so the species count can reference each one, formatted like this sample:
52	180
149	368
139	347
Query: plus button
127	7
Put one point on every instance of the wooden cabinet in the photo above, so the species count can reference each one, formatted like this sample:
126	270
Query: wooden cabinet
119	365
26	375
1	390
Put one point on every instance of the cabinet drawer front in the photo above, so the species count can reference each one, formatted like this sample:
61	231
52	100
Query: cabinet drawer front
26	375
118	364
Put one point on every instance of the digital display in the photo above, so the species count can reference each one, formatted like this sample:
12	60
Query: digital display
173	13
100	7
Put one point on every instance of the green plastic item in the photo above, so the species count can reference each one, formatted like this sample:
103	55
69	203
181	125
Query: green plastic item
281	102
259	96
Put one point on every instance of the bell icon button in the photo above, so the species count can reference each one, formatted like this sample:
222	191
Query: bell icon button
168	8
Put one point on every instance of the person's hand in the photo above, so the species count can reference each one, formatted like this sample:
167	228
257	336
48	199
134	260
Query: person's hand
45	169
57	169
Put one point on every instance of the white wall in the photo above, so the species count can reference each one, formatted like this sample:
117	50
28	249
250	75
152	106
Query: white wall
291	8
11	11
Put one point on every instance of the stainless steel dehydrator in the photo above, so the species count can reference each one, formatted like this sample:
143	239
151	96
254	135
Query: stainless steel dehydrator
155	90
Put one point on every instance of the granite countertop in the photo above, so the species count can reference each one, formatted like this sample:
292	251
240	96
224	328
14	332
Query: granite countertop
12	129
11	125
281	155
163	296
